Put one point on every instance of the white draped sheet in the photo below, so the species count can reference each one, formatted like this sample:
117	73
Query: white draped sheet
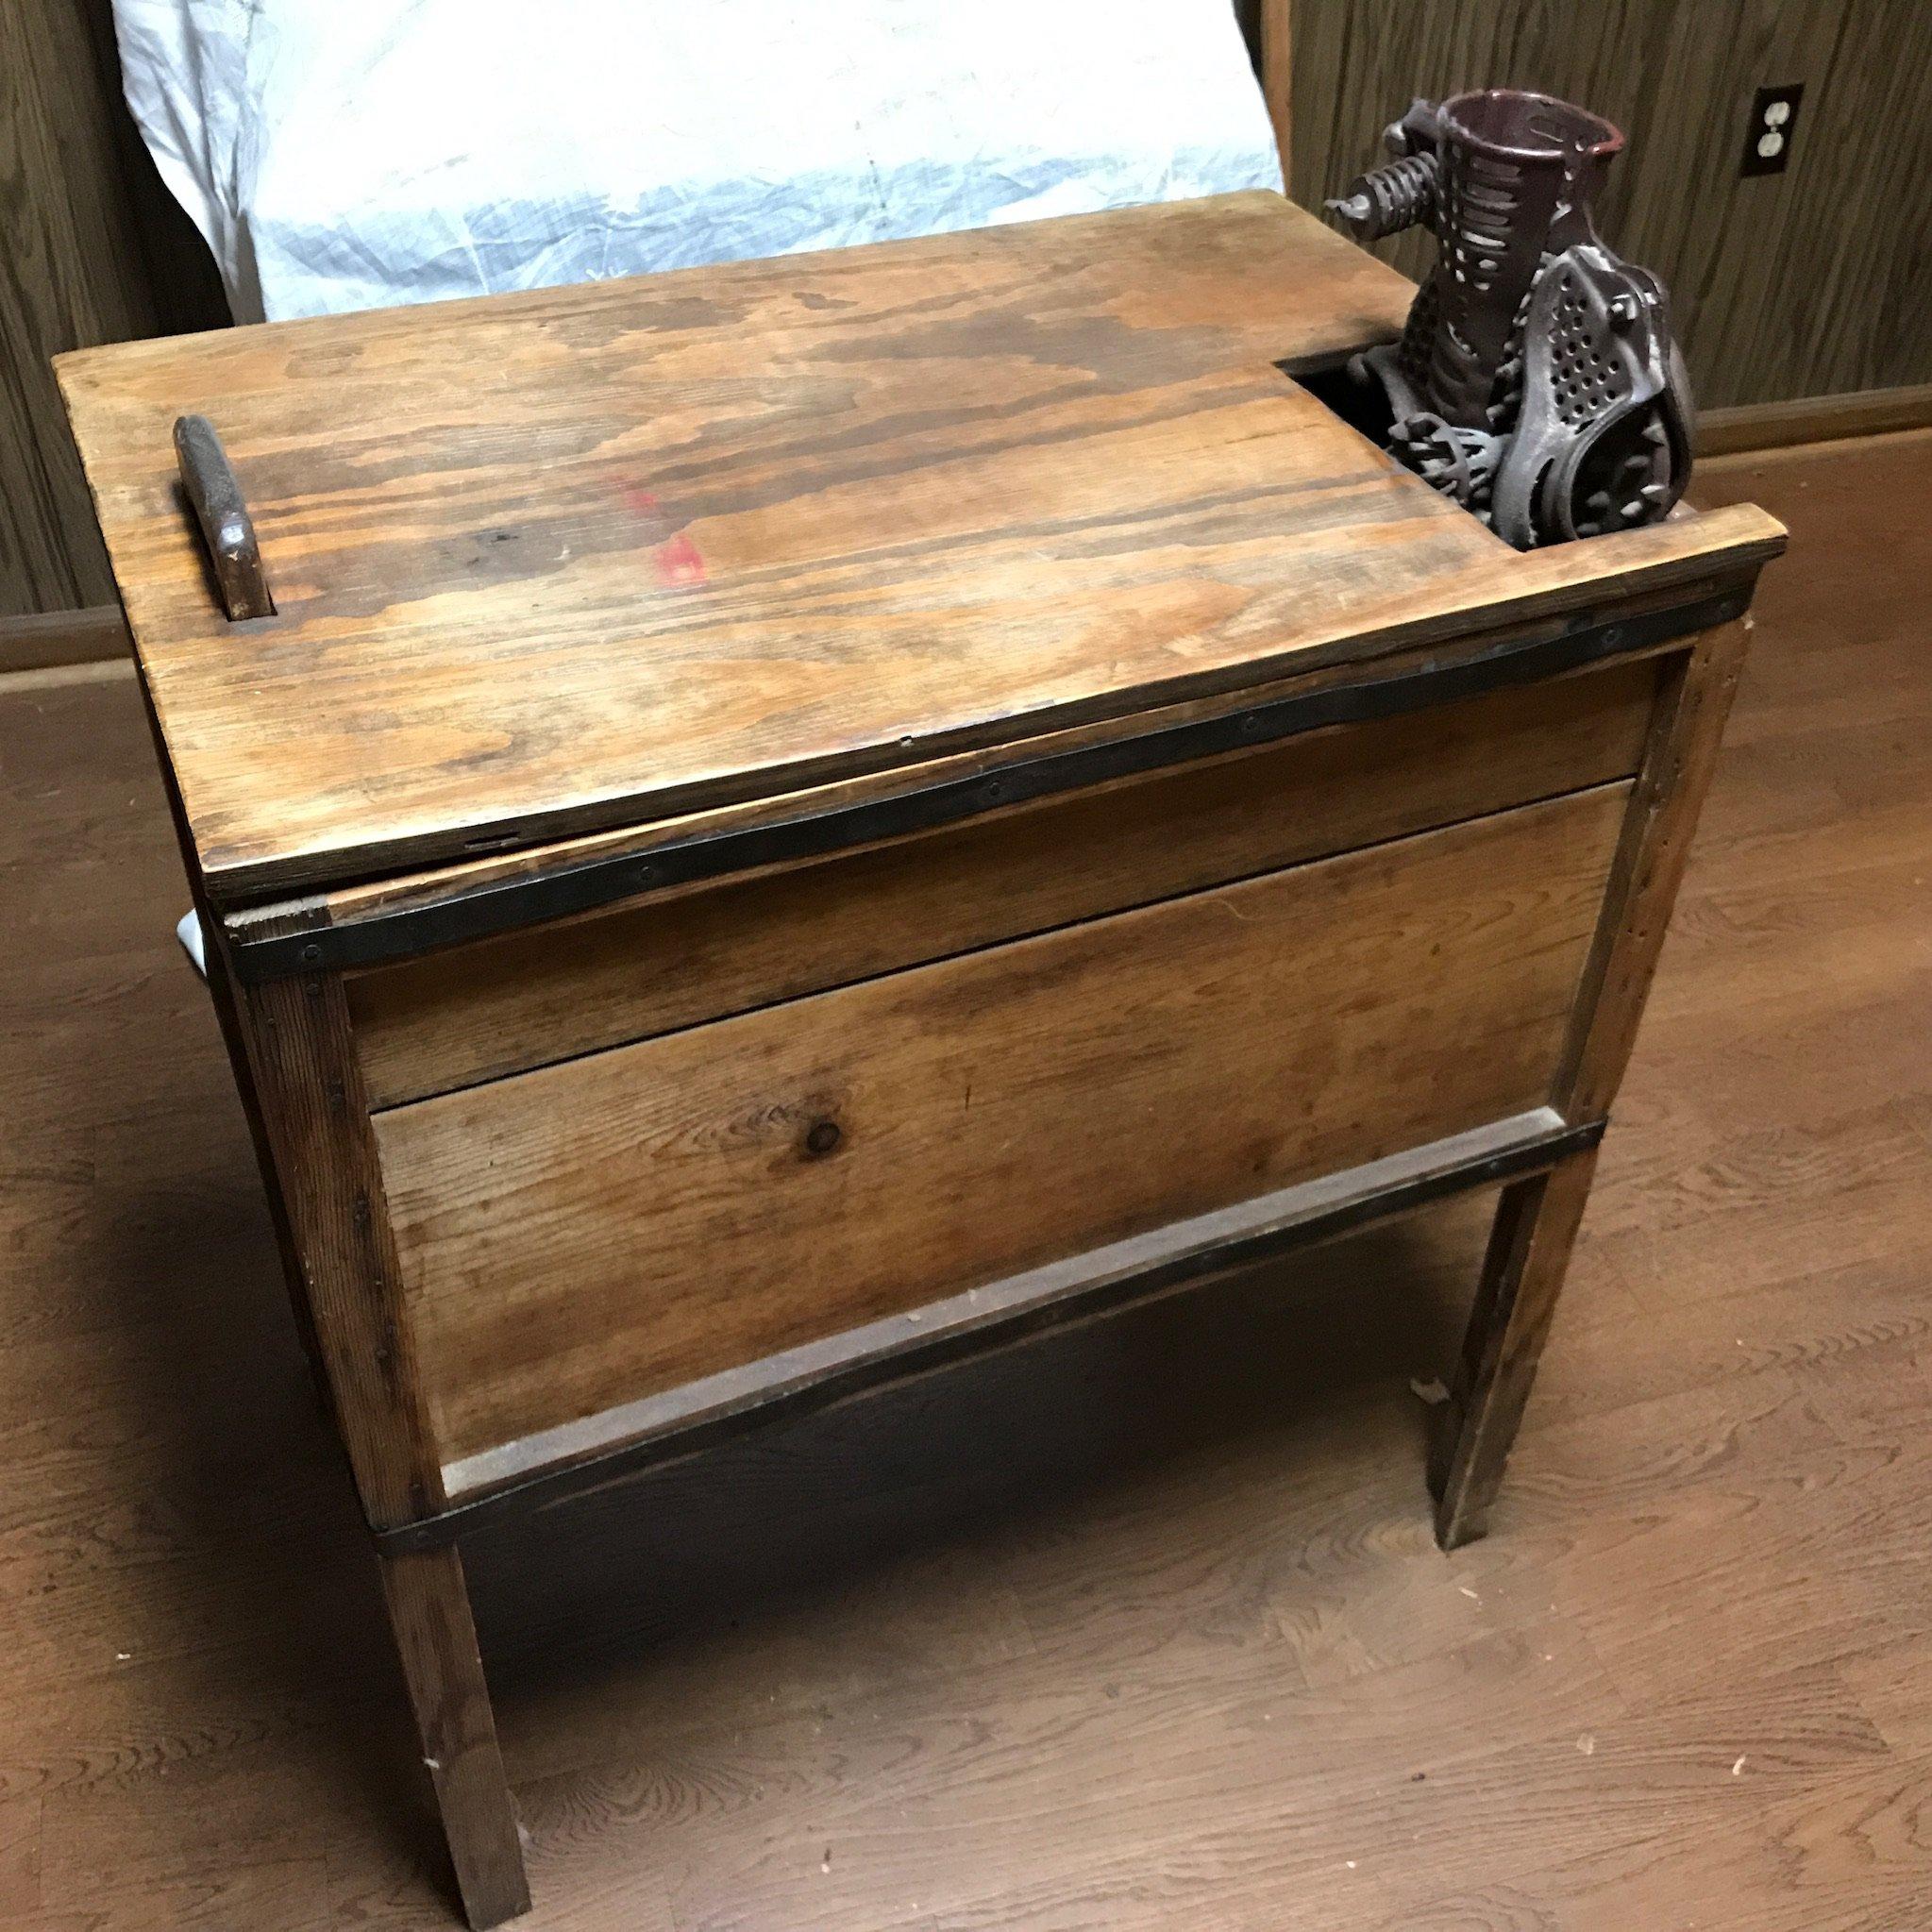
346	154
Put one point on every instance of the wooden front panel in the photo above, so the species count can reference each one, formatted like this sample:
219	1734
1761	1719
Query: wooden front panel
456	1017
596	1231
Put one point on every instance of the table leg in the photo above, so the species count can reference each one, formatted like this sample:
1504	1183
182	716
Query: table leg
1523	1272
429	1613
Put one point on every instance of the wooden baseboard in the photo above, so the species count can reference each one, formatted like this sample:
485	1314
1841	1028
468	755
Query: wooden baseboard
1814	419
52	638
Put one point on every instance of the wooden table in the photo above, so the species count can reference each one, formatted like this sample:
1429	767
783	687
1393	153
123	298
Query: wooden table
795	821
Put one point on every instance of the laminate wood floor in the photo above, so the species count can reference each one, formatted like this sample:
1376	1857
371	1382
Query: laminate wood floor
1138	1628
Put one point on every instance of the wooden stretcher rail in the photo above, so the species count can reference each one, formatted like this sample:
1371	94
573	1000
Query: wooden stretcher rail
621	1443
532	900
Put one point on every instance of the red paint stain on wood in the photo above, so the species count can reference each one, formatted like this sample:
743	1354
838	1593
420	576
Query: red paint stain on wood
677	561
680	562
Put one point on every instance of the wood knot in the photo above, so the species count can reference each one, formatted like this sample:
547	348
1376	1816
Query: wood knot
821	1138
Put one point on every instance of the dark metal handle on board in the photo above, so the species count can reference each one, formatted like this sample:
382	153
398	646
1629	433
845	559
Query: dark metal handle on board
227	527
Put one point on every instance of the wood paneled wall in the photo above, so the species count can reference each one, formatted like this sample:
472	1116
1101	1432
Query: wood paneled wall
1813	282
92	248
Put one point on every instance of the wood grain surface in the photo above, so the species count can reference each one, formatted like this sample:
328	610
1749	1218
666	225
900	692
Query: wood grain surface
555	561
588	1234
1140	1629
472	1013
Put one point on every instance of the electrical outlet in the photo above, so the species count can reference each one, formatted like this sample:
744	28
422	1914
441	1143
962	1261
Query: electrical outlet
1768	140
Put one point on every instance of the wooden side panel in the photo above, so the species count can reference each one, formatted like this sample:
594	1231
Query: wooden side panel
453	1018
590	1233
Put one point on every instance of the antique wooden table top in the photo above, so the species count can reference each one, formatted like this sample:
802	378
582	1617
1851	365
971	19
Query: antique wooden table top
582	559
793	822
